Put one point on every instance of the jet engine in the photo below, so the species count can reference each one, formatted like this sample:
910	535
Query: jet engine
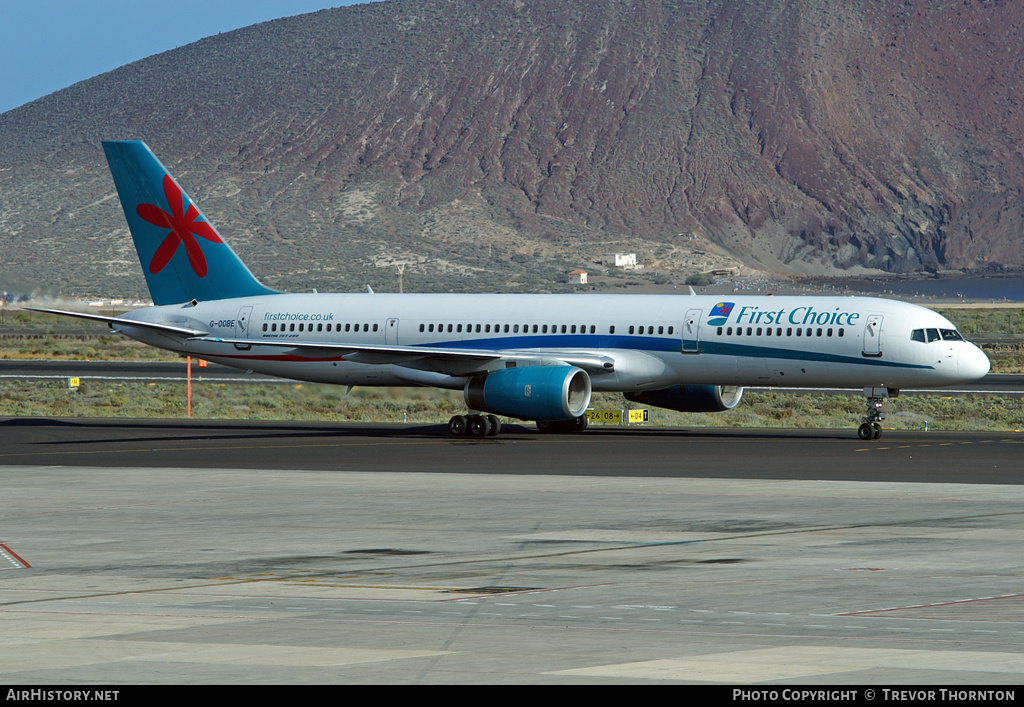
691	398
531	392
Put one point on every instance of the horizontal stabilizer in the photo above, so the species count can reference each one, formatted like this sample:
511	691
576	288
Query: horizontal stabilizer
122	322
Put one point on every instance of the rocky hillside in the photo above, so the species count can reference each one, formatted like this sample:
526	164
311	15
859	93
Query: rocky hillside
498	144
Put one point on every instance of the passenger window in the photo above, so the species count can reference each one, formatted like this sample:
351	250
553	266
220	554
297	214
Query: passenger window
789	331
759	331
670	330
719	331
573	329
631	329
661	330
728	332
842	332
750	331
819	331
611	329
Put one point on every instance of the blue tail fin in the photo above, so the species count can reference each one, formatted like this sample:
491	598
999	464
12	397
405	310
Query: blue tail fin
182	255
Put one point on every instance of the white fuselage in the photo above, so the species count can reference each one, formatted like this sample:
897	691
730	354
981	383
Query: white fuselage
652	341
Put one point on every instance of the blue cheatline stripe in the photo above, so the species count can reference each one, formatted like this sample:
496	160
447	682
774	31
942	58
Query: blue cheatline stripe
594	342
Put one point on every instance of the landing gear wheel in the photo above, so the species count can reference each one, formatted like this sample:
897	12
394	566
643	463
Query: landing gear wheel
479	425
870	424
457	426
495	425
576	424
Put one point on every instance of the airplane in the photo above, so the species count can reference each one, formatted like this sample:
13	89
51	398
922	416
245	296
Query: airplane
531	357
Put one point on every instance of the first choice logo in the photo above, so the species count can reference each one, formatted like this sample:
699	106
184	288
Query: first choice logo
798	316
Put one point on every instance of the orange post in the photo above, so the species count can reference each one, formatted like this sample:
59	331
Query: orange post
189	359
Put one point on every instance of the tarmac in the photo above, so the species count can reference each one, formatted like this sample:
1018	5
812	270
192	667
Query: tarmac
144	552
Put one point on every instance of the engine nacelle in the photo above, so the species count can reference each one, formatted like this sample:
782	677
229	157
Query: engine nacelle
691	398
531	392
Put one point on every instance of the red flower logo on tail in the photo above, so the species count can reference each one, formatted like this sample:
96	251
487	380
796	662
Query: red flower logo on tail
184	228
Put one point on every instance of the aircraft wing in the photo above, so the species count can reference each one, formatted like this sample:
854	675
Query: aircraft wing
451	361
121	321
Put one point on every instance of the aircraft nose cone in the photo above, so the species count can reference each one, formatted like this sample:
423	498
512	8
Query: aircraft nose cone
972	364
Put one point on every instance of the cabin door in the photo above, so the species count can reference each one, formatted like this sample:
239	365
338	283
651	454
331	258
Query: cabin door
691	331
391	332
242	322
873	336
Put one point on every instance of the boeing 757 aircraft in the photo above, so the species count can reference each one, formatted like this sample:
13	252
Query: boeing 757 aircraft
528	357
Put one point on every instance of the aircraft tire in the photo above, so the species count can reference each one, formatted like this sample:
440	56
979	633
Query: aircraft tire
479	425
876	430
495	429
865	431
457	426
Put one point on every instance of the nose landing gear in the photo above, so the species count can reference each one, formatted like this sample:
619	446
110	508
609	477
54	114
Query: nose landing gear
870	424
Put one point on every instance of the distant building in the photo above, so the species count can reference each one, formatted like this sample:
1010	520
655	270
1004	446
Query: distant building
578	277
626	261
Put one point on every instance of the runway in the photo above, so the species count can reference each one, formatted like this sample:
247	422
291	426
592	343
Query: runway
784	454
186	552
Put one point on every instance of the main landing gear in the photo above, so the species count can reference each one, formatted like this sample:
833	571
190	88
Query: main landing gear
577	424
478	425
870	424
474	425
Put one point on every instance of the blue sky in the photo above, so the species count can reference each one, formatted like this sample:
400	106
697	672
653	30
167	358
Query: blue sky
47	45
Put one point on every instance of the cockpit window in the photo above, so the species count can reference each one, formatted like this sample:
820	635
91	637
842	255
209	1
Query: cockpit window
930	335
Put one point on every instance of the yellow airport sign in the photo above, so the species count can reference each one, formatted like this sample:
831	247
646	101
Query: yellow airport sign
617	417
637	416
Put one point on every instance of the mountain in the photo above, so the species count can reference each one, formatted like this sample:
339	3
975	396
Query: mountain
498	144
